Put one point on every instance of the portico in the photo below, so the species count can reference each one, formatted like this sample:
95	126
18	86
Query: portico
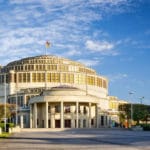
71	108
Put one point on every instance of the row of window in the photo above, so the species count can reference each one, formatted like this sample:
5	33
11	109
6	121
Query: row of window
57	78
42	67
67	109
18	99
113	105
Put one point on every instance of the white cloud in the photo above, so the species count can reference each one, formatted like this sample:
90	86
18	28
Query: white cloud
116	77
99	46
102	47
27	24
71	53
89	62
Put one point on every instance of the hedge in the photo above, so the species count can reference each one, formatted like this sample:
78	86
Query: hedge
146	127
8	125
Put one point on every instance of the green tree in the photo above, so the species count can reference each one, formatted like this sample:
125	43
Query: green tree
9	110
122	118
140	112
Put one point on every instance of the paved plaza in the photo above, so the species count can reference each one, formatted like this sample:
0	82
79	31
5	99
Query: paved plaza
82	139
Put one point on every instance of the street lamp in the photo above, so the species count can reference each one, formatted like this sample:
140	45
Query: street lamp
131	93
5	98
16	108
141	99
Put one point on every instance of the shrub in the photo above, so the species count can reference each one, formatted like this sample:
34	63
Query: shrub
8	125
146	127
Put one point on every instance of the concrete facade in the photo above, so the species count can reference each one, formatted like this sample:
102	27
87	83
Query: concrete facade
54	92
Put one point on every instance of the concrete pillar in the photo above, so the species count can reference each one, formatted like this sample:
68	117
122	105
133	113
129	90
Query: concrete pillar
46	115
21	121
62	114
81	109
31	116
72	116
30	77
81	117
24	101
89	115
96	116
12	76
35	115
72	109
108	121
52	116
99	120
77	114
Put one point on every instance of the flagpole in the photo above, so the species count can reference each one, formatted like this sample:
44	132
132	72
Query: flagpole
46	68
45	50
47	45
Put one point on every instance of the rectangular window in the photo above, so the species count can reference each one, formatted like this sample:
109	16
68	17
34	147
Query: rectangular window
24	77
67	108
57	108
33	77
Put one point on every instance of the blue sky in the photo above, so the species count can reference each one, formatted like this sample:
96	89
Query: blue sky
111	36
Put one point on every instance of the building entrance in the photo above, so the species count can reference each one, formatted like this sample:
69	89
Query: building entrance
57	123
67	123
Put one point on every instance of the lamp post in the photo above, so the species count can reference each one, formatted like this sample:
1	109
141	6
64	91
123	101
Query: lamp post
141	99
16	108
131	93
5	101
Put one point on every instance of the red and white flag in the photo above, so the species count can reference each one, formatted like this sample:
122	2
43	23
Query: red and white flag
47	44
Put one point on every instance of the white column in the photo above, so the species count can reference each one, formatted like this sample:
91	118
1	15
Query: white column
52	116
35	115
89	115
77	114
46	115
81	118
30	77
21	121
62	114
72	116
24	101
97	116
108	121
30	115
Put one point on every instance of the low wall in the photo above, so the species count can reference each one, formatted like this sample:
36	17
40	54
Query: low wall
14	130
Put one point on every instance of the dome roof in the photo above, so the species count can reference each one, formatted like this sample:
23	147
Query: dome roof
40	59
26	64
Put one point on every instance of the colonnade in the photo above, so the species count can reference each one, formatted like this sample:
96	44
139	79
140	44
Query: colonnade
78	116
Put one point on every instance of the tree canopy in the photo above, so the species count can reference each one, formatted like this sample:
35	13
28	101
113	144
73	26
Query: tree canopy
141	112
9	110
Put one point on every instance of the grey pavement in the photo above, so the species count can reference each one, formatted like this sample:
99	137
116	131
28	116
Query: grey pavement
73	139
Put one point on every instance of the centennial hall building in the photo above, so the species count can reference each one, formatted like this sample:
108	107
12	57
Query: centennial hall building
54	92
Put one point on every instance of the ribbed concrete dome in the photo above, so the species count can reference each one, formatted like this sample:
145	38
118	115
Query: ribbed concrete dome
64	91
43	61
